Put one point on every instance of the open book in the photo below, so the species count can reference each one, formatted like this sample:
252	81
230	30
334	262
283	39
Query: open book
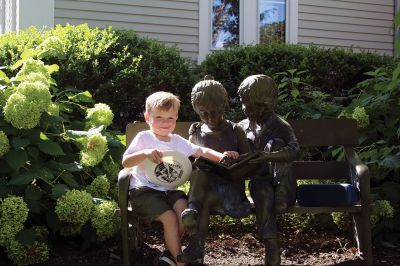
233	169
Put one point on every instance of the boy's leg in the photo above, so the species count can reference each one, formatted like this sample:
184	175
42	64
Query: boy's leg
179	206
172	238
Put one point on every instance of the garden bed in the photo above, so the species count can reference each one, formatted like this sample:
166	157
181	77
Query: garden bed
232	244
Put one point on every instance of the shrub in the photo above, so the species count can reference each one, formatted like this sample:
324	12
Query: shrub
106	62
333	72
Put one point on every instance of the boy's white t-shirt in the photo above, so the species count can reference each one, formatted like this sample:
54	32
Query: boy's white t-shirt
147	140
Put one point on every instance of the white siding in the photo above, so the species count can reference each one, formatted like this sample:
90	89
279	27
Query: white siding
171	22
357	24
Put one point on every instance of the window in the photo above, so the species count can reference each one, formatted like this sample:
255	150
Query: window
225	23
272	21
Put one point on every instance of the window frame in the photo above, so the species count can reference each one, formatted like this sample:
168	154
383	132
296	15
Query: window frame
248	29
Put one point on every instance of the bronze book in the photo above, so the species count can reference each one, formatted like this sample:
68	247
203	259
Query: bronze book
230	169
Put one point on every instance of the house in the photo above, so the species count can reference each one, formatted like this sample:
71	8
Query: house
197	27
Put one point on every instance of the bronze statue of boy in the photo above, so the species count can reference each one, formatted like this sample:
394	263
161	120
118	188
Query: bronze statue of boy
209	192
272	187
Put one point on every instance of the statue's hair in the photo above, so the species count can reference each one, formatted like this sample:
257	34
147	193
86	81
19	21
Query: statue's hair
162	100
259	89
209	92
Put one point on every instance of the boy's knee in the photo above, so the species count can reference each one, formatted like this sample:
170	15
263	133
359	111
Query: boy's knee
168	218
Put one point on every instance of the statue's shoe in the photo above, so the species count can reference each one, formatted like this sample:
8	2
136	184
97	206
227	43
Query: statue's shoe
190	218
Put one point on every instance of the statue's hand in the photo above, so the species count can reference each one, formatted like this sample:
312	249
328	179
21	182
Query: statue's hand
261	158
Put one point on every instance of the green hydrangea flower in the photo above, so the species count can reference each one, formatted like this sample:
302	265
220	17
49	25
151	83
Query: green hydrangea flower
52	47
21	113
36	77
13	214
380	208
104	220
30	66
27	255
99	187
100	114
4	95
361	116
112	169
13	209
8	232
54	109
36	92
4	143
94	151
74	207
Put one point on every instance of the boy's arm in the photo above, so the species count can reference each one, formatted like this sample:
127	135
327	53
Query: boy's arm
133	159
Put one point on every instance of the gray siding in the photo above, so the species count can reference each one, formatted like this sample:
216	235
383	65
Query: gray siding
171	22
357	24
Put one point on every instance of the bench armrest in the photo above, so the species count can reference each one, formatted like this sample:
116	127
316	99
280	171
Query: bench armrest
123	187
359	174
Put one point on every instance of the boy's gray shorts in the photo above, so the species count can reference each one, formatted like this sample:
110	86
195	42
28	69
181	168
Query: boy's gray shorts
149	203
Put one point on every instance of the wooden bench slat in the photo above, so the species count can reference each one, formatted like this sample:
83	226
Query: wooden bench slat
324	209
325	132
320	170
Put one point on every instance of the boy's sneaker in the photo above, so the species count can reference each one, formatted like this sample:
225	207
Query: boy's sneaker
190	218
166	259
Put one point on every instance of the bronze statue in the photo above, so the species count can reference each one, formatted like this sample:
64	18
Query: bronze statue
272	187
209	192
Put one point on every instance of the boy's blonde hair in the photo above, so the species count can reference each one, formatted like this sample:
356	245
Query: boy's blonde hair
162	100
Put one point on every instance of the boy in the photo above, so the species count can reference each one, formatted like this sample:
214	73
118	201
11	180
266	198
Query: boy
272	188
154	202
208	191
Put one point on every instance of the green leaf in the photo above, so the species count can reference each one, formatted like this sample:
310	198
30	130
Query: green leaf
59	190
16	159
28	53
18	142
32	193
69	179
70	167
23	179
52	221
4	77
85	97
17	64
51	148
26	236
45	174
391	161
43	136
295	93
53	68
33	152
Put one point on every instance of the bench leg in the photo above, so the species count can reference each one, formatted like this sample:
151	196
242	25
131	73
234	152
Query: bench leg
362	232
125	240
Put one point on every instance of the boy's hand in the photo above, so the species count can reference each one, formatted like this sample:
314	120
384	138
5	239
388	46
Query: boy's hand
231	154
154	155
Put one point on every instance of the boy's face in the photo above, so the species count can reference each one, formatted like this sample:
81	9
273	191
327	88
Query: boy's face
212	116
162	122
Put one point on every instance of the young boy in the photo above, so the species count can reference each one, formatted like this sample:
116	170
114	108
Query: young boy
273	187
154	202
208	191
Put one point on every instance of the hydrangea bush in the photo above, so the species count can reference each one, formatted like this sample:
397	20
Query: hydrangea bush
57	149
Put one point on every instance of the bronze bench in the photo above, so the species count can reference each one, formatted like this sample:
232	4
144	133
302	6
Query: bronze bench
310	133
